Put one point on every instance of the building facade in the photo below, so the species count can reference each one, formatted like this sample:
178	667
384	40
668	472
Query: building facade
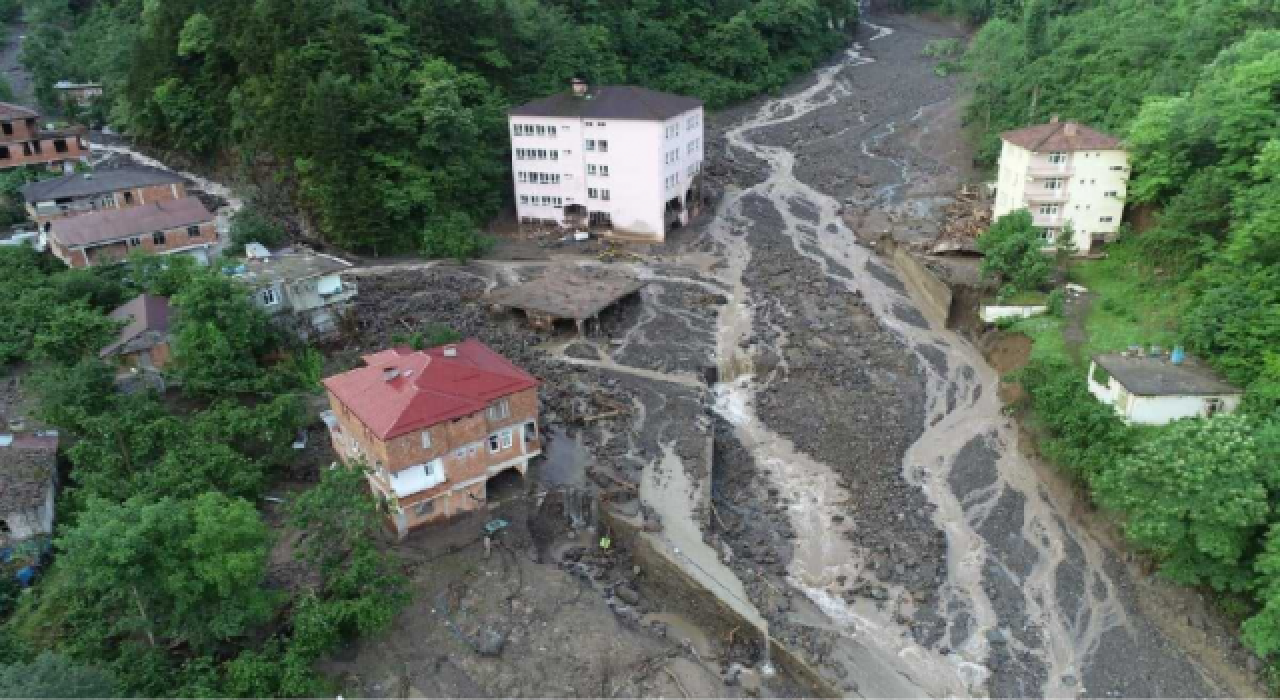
1154	389
78	94
113	188
23	142
303	290
180	226
432	427
615	159
1064	173
143	342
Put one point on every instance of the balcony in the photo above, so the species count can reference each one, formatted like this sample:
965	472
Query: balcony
1048	220
1041	167
1041	194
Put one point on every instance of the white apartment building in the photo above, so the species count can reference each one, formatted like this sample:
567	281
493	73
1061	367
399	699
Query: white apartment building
1064	172
618	159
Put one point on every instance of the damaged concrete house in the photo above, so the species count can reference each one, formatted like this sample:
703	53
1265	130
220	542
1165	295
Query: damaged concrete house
301	289
28	480
101	190
615	159
434	427
24	142
177	226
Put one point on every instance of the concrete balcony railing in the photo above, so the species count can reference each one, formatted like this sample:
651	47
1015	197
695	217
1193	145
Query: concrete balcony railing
1047	221
1040	194
1044	168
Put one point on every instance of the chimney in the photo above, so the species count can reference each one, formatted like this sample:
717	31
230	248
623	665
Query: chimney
389	373
450	351
1053	119
579	87
1069	129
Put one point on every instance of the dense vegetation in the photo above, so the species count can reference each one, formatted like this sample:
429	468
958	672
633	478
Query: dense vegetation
160	584
388	118
1194	87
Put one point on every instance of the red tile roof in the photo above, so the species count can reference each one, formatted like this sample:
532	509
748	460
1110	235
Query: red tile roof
1062	136
115	224
399	390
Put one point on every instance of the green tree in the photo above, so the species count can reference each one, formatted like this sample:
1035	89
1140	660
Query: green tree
176	571
1013	253
1195	495
74	331
220	338
51	675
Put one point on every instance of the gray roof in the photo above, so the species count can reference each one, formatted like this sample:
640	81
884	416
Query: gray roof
1157	376
610	102
98	182
27	465
289	267
576	294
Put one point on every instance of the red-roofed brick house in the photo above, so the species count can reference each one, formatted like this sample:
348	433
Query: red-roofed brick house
107	237
434	426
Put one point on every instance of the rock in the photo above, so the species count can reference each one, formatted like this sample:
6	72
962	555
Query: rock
996	637
627	594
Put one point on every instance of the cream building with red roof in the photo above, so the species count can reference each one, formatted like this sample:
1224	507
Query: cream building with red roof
433	427
1064	173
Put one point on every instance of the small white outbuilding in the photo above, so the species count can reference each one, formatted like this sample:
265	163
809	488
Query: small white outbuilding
1153	389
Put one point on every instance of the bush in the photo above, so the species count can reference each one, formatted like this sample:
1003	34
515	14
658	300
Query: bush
1056	302
252	225
1085	436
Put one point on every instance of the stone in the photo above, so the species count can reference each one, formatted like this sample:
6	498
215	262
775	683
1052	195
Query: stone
627	594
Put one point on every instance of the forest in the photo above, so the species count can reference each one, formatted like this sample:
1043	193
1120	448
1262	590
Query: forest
387	119
1193	87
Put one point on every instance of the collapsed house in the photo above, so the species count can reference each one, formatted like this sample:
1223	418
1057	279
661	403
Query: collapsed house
28	481
568	295
300	289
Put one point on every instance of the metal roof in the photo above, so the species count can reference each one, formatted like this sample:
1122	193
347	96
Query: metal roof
399	390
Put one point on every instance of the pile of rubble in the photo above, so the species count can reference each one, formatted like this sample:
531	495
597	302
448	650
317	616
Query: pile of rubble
964	219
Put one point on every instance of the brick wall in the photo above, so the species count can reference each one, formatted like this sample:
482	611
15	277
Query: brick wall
461	444
116	251
42	150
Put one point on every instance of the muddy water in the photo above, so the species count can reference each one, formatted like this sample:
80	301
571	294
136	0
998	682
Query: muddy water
1020	585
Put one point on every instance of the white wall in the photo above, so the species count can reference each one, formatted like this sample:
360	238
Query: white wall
38	521
1011	184
1088	204
636	182
1159	410
1089	177
992	312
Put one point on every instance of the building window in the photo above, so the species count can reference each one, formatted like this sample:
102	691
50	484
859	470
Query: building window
1049	209
1117	167
59	145
1057	158
1054	183
425	508
604	194
158	238
134	242
591	170
499	410
8	128
269	297
524	199
591	144
193	231
530	432
1047	234
1107	219
426	440
591	124
551	131
540	130
1111	193
501	440
555	155
4	153
604	146
593	193
599	123
604	171
522	177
